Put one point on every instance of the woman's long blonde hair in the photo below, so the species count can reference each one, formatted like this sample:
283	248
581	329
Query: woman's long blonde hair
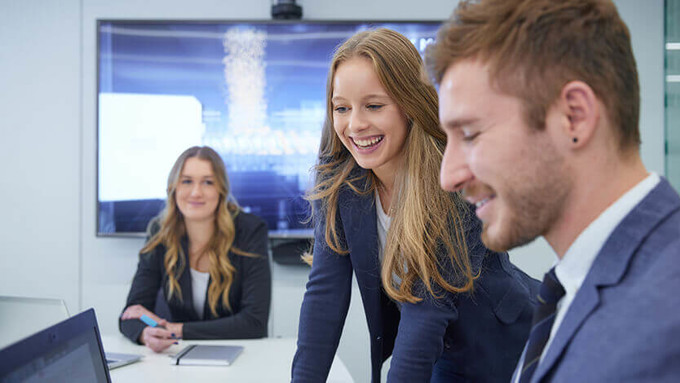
172	230
425	219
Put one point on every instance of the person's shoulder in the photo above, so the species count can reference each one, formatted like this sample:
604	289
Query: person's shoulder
153	227
248	223
247	219
661	246
154	255
357	188
251	235
655	223
357	175
471	227
501	288
667	235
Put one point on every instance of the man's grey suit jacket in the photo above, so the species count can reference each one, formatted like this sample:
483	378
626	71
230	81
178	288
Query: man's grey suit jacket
624	322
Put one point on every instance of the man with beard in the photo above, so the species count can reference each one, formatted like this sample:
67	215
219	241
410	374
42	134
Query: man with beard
539	100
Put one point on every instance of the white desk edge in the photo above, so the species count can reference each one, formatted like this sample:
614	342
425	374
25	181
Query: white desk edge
262	360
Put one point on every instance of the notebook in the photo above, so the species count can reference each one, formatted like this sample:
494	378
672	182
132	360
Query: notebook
69	351
195	355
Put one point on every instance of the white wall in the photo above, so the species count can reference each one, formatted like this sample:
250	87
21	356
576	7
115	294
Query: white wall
48	146
40	131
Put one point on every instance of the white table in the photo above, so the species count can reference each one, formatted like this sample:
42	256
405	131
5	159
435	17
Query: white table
262	360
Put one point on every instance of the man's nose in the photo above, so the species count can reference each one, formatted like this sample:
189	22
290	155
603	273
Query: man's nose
455	172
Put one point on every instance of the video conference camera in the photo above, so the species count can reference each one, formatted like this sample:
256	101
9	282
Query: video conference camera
286	10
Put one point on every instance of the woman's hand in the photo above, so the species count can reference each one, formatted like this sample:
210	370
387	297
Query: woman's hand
136	312
174	328
157	338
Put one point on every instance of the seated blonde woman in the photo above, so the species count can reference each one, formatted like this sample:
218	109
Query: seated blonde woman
206	256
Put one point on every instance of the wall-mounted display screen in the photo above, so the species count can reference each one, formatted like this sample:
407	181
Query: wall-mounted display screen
253	91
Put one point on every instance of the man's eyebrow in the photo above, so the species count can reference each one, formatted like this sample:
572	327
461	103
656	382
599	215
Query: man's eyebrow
459	123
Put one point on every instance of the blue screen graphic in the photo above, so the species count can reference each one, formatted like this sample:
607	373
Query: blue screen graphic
253	91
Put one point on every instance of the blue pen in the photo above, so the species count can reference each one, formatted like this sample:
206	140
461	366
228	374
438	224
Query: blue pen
149	321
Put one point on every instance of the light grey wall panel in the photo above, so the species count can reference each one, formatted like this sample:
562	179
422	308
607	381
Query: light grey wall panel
40	149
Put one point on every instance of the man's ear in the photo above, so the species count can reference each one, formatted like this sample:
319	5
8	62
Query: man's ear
582	109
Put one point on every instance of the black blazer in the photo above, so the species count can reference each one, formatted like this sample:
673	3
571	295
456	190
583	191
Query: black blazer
249	296
474	337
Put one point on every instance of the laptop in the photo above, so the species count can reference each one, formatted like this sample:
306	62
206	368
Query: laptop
69	351
116	359
23	316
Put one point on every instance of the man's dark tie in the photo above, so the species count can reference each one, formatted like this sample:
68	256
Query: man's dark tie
550	293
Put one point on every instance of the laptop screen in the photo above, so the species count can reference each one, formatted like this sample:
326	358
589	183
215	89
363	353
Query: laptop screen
69	351
22	316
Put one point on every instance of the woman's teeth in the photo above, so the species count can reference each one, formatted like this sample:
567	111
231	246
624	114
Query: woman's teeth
365	143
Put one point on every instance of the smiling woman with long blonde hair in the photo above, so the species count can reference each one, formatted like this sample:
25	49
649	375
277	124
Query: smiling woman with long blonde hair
206	256
446	308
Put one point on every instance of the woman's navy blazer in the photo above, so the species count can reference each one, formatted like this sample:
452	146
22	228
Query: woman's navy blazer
472	337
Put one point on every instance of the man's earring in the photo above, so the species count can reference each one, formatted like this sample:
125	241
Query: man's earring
575	140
